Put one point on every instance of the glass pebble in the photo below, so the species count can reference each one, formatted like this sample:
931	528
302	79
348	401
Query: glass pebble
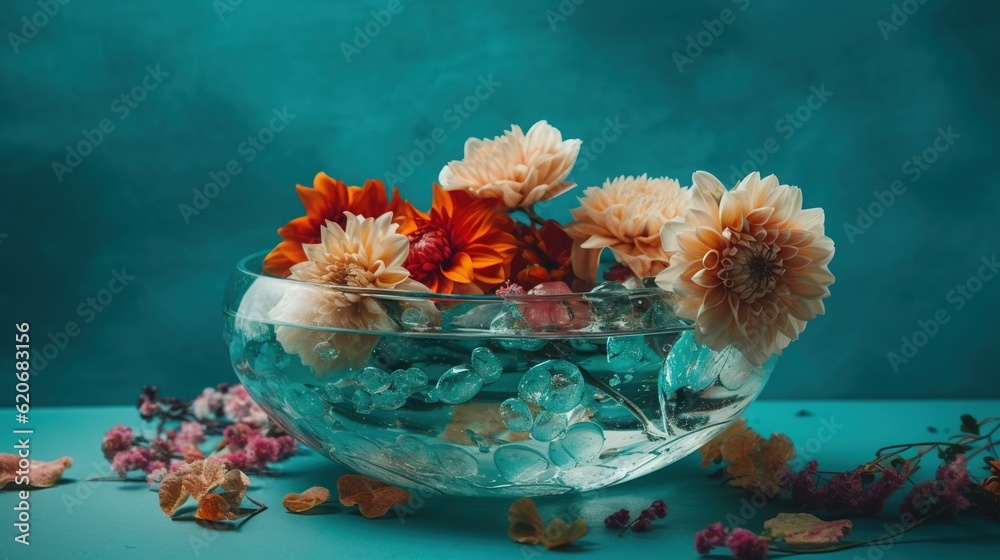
408	379
487	364
581	445
415	318
458	462
556	385
332	393
459	384
520	464
374	380
326	351
625	352
363	402
549	426
515	415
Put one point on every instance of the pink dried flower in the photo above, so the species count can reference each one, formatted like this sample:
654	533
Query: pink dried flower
162	447
154	465
234	460
710	537
261	450
955	473
658	508
746	546
191	434
118	438
155	476
131	460
803	486
207	405
872	501
642	525
842	492
618	519
148	408
236	435
509	288
287	446
240	407
941	496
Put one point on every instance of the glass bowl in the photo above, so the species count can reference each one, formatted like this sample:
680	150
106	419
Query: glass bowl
482	395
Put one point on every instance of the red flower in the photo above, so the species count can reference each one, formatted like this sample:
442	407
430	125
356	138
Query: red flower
463	245
543	254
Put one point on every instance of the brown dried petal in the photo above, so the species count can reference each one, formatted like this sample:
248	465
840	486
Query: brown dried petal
41	474
234	487
173	492
712	451
526	525
559	533
214	507
373	497
307	500
204	476
807	529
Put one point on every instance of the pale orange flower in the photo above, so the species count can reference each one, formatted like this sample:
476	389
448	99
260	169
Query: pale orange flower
328	200
625	215
516	169
368	253
750	265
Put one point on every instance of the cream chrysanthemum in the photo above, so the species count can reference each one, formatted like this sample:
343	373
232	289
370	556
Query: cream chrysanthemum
517	168
750	266
368	253
625	215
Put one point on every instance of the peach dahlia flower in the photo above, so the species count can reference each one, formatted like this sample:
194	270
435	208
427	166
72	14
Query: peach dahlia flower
517	168
750	266
626	215
367	253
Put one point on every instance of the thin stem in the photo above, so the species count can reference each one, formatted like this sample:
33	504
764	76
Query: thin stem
532	216
647	426
115	479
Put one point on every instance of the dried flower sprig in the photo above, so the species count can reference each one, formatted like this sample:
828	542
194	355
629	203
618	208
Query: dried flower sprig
250	441
864	490
622	519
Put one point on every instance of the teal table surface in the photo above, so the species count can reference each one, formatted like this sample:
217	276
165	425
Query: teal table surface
110	519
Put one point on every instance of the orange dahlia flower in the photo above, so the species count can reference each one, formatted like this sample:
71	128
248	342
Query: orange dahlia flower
327	200
463	246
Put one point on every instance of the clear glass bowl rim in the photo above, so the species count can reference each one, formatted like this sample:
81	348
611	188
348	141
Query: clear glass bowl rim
243	267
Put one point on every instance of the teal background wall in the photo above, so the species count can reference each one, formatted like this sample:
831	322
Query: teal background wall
894	76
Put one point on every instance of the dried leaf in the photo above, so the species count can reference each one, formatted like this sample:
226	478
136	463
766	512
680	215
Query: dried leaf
373	497
234	486
754	463
526	525
41	474
559	533
711	452
214	507
804	529
204	476
307	500
969	424
172	492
